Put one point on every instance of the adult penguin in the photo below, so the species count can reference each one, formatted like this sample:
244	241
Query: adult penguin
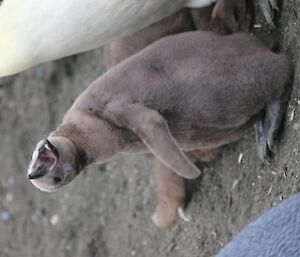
34	31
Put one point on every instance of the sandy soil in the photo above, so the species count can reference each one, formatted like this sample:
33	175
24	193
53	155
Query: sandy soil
106	211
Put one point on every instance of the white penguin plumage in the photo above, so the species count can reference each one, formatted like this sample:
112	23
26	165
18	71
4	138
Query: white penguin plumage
35	31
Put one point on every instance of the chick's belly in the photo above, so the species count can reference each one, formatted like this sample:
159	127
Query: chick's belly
209	138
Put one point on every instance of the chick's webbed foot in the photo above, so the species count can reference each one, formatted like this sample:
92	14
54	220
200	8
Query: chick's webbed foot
171	189
267	7
171	193
266	130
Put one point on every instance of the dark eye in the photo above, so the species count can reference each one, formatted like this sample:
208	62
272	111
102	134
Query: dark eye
56	180
236	15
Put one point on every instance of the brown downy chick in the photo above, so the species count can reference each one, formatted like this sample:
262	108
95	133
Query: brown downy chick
227	16
190	91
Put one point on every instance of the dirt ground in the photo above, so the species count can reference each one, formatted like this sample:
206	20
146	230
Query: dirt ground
106	211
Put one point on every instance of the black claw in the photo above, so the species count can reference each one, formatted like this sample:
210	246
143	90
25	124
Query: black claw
273	120
274	5
267	128
263	150
267	6
36	174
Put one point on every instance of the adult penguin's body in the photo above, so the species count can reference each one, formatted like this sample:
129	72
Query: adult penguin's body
34	31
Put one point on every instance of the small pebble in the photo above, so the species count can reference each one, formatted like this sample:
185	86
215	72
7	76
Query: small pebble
54	219
11	104
221	243
102	221
68	247
11	180
9	197
234	184
269	191
214	235
240	157
5	216
292	114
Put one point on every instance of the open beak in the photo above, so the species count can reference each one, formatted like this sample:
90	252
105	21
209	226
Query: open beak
36	174
43	160
51	147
